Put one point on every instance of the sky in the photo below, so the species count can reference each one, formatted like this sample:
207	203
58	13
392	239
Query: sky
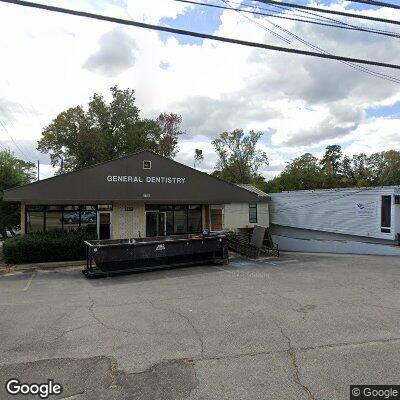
50	62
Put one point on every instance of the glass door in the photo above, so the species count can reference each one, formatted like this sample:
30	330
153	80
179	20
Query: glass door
155	223
104	225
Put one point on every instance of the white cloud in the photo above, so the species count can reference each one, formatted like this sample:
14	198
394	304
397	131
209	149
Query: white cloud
305	102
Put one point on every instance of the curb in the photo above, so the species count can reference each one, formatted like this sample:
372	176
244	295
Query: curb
41	266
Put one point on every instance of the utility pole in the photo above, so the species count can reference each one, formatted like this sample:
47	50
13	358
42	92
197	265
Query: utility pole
38	168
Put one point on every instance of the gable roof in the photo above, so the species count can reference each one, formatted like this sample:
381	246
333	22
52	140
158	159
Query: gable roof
254	189
125	179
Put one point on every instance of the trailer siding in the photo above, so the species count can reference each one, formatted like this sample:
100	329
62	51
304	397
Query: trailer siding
335	211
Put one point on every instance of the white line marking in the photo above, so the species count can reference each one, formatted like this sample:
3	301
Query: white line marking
29	282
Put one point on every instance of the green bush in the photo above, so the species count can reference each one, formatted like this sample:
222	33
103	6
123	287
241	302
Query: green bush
44	247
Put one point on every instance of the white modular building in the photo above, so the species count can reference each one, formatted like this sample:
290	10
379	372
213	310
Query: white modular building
349	220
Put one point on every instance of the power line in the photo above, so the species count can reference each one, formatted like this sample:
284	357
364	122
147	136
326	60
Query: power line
260	25
330	19
196	34
358	67
15	143
316	21
326	11
377	3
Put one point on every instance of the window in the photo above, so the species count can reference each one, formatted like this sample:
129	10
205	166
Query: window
53	218
194	219
146	164
34	219
180	219
253	213
57	217
386	213
89	218
176	219
104	207
71	218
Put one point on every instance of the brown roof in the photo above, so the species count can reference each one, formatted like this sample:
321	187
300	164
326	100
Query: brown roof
125	179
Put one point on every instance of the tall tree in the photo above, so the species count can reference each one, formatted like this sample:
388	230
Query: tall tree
331	159
330	166
239	159
13	172
82	137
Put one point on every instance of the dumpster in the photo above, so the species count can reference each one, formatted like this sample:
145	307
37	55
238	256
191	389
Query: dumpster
106	257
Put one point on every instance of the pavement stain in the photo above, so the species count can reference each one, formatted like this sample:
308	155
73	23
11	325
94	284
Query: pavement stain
99	378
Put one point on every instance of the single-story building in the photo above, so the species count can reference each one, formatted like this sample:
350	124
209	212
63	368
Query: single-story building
345	220
144	194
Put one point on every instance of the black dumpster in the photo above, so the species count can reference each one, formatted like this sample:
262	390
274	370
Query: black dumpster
125	255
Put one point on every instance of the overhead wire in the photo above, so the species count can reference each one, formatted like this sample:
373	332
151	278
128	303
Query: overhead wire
311	20
310	45
223	39
330	19
376	3
329	11
12	139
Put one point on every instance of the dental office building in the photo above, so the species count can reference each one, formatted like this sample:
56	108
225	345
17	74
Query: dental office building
140	195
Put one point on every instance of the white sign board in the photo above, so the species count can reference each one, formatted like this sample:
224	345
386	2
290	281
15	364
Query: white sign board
366	209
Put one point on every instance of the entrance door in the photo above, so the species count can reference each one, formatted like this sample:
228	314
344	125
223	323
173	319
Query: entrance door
104	227
151	223
155	223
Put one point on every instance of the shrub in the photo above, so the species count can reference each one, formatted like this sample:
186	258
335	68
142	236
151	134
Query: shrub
44	247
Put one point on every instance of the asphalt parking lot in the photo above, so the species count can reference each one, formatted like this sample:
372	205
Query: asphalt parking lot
299	327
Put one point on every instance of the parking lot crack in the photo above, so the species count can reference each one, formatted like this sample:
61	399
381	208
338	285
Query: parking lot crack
69	331
104	325
189	322
297	377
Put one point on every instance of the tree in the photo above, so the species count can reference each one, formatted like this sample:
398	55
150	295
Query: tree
390	173
13	172
331	159
169	132
330	166
198	156
105	131
239	160
302	173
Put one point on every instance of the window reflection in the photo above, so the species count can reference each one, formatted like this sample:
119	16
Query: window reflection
34	221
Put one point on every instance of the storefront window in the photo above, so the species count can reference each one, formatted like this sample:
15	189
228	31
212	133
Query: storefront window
34	221
89	218
180	219
194	218
71	218
53	218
